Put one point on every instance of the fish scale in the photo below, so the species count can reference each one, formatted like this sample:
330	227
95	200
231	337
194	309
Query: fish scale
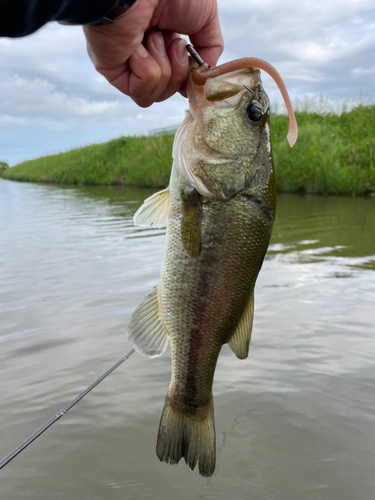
219	211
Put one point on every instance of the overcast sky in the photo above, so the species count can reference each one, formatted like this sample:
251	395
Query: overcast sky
51	98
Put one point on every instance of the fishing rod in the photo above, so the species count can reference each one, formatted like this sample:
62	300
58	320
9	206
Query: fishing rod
62	412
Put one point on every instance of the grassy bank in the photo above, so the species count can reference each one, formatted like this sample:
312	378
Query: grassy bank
137	161
3	166
333	155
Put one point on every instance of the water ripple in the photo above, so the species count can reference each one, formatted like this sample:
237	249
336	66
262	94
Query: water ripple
294	420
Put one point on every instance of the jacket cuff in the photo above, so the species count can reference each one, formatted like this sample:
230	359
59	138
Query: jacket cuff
85	11
119	8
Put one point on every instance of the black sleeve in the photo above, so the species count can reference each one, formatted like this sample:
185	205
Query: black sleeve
22	17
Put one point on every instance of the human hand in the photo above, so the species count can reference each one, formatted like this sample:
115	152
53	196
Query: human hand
154	70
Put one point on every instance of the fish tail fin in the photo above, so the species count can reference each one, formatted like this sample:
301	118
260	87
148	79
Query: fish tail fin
188	435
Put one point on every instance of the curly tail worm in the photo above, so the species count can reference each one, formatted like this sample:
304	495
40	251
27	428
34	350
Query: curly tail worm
204	71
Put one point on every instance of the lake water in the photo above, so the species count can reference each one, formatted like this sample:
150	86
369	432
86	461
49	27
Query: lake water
295	421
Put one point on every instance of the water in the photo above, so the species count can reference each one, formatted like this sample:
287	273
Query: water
294	421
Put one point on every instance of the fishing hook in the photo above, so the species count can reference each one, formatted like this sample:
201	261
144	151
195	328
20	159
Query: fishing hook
194	54
252	93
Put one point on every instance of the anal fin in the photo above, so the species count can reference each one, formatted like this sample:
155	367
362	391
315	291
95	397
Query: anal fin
240	340
146	331
154	211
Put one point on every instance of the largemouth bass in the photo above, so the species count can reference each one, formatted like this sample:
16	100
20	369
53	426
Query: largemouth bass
219	211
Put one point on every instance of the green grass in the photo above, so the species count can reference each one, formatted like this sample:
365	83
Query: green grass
334	154
3	166
137	161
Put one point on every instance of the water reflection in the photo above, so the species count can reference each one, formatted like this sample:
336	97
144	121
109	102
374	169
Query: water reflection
295	420
344	226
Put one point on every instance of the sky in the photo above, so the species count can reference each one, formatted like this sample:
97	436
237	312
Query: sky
52	100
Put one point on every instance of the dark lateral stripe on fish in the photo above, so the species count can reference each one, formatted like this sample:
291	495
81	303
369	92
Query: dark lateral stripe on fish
260	203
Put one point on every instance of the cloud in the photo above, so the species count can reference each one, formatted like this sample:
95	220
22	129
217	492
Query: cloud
22	96
52	98
305	40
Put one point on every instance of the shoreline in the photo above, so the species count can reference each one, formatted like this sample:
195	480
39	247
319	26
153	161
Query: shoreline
334	155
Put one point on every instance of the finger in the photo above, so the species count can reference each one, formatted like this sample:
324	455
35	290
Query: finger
208	41
137	77
169	37
156	48
179	62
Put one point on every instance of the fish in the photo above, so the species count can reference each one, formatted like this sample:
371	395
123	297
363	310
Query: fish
219	210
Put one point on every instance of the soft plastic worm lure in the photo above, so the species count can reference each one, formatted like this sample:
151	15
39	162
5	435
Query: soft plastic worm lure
204	71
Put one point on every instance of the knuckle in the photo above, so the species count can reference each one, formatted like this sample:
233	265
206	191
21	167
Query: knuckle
145	103
154	74
139	94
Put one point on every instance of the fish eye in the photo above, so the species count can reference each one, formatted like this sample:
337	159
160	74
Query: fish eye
254	112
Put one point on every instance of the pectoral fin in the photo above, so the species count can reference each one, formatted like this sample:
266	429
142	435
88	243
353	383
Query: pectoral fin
190	223
190	234
154	211
146	331
240	340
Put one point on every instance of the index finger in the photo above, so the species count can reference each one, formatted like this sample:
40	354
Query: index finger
208	41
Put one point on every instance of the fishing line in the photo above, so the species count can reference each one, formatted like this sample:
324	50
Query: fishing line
62	412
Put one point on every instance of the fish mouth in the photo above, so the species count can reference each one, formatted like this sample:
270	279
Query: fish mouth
221	91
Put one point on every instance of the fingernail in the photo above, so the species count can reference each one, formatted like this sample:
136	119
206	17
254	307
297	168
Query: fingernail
181	52
159	45
141	51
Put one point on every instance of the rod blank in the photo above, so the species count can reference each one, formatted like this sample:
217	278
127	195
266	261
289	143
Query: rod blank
62	412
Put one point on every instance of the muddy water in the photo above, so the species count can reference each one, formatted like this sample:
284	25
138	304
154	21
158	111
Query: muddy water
294	421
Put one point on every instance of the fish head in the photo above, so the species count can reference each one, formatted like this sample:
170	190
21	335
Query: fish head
232	109
225	140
